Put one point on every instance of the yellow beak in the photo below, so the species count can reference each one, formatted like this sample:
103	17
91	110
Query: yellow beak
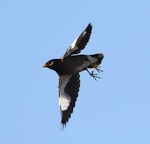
44	66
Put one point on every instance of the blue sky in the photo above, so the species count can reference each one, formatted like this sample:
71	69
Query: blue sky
114	109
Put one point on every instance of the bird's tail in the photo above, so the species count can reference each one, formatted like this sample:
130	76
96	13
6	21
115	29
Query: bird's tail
95	59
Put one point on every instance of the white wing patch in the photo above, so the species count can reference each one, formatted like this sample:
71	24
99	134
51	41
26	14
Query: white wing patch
72	47
64	102
64	98
74	43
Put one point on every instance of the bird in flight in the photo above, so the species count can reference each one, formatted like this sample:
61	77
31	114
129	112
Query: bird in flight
68	68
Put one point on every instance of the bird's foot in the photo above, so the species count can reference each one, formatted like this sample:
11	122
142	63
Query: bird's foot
93	74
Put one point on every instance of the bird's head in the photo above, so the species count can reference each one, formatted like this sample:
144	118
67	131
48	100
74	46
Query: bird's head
52	64
48	64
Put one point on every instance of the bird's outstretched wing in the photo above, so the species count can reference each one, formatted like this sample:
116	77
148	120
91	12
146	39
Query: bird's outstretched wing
79	43
68	93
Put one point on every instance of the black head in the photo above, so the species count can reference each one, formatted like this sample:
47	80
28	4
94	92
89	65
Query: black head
53	64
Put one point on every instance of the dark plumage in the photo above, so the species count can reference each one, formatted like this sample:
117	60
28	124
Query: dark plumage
68	68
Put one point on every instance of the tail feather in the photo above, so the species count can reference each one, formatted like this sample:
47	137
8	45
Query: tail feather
99	58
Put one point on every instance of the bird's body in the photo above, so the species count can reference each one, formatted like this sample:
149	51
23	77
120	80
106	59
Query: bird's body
74	64
68	68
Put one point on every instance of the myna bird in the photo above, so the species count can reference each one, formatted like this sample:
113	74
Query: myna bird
68	68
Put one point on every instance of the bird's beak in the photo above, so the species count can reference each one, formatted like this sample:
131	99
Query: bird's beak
44	66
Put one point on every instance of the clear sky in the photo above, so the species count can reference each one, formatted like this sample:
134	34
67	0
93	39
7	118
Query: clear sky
112	110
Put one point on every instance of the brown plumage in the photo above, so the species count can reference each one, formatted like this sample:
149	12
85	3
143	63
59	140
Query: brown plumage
68	68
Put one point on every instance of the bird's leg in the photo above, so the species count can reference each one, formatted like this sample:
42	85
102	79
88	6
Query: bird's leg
92	74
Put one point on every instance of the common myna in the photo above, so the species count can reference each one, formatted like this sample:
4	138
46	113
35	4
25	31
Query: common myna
68	68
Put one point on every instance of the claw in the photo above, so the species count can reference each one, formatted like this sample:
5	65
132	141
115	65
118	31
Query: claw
99	70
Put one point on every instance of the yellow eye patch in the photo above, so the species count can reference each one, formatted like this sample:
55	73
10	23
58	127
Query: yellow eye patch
51	63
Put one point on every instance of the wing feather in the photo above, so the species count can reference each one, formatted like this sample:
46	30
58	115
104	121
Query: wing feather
68	93
79	43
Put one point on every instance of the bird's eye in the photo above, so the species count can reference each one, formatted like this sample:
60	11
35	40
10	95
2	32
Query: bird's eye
51	63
